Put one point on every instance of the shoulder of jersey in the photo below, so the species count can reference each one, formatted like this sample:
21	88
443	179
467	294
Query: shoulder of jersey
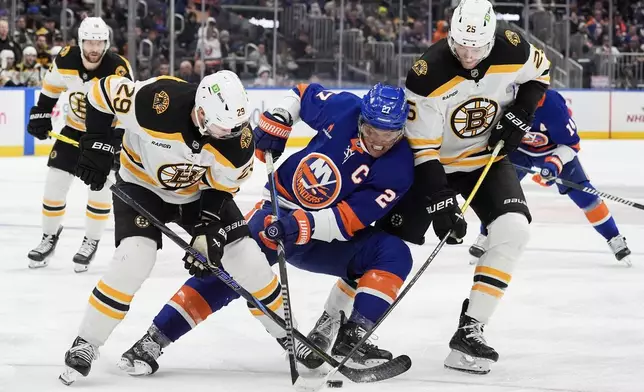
69	58
510	47
118	63
239	150
432	70
398	162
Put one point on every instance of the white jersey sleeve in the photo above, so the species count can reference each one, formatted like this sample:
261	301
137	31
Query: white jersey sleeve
424	127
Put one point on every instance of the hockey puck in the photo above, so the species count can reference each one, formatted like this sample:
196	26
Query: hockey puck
334	383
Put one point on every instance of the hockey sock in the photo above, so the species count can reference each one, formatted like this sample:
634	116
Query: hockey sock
57	185
507	238
377	290
99	205
341	298
596	212
110	300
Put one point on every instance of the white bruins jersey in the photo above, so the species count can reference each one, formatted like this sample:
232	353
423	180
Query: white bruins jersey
67	73
452	110
163	150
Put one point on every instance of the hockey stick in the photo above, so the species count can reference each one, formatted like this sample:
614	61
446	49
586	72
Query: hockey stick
63	138
429	260
381	372
586	189
281	261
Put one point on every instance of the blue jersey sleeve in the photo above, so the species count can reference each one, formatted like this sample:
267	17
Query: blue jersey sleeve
319	107
556	117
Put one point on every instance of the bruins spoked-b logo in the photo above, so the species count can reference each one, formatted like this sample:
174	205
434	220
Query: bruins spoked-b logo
473	117
77	104
178	176
141	222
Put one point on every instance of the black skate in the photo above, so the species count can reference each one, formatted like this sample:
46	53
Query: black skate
322	335
141	359
85	254
477	250
39	256
620	249
470	352
349	335
78	360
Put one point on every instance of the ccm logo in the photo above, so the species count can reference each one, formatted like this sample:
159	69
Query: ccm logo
103	147
441	205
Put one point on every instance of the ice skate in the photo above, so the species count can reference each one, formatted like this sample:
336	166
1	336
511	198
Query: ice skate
322	335
40	255
78	360
85	254
620	249
477	249
367	355
141	359
470	352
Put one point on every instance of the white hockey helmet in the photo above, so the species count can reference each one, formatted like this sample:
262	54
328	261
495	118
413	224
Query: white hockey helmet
225	105
472	30
6	55
94	29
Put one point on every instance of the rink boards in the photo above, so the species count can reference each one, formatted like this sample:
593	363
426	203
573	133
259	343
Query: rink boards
599	115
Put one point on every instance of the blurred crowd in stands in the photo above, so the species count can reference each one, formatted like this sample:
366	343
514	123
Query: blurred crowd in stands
238	35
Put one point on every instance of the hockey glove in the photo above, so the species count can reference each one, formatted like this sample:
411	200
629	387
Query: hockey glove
446	215
95	160
39	123
550	170
209	239
511	128
294	228
272	133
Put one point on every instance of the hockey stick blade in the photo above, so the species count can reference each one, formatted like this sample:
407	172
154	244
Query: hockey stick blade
586	189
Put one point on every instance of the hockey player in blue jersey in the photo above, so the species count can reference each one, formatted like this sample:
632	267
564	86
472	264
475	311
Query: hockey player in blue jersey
348	176
552	146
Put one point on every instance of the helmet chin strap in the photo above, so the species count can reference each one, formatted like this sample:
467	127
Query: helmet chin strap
196	121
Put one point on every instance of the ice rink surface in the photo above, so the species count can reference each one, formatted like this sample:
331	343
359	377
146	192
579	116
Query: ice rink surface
572	318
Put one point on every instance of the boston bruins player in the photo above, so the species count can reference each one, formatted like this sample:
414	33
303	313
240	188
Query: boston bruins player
467	93
186	150
74	70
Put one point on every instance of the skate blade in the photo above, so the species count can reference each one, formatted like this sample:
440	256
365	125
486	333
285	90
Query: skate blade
78	268
456	360
627	261
136	369
33	264
68	376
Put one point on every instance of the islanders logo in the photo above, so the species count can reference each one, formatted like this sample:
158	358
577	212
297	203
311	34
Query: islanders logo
317	181
535	139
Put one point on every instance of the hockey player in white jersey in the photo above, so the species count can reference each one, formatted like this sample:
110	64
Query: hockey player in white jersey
467	93
186	151
74	71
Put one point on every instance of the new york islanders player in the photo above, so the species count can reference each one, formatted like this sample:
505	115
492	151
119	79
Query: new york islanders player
348	176
552	145
186	150
74	70
462	97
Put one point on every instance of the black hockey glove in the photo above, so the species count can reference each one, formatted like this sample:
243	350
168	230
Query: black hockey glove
511	128
446	215
95	161
39	123
209	238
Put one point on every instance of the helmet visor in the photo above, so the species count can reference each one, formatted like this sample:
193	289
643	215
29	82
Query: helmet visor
225	133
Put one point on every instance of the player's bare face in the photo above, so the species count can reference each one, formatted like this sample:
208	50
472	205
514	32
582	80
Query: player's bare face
93	50
216	131
377	141
468	56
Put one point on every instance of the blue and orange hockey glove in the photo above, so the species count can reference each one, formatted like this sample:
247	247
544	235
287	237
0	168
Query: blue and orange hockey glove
294	228
550	170
272	133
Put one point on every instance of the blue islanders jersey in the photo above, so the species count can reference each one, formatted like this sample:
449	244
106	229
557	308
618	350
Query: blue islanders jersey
343	187
553	126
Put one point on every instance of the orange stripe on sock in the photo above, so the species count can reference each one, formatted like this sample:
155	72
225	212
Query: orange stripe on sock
599	214
488	290
193	303
53	213
53	203
104	309
114	293
502	276
385	282
94	216
345	288
274	306
100	206
267	290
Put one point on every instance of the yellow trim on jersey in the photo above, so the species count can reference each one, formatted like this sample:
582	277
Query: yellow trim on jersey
167	77
189	191
137	158
127	63
136	171
544	78
218	156
463	155
507	68
166	136
218	186
74	124
478	161
446	87
53	89
416	142
98	97
427	153
70	72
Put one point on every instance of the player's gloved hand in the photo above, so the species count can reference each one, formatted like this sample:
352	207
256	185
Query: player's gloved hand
95	160
446	215
39	123
209	239
296	227
550	170
272	133
511	128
